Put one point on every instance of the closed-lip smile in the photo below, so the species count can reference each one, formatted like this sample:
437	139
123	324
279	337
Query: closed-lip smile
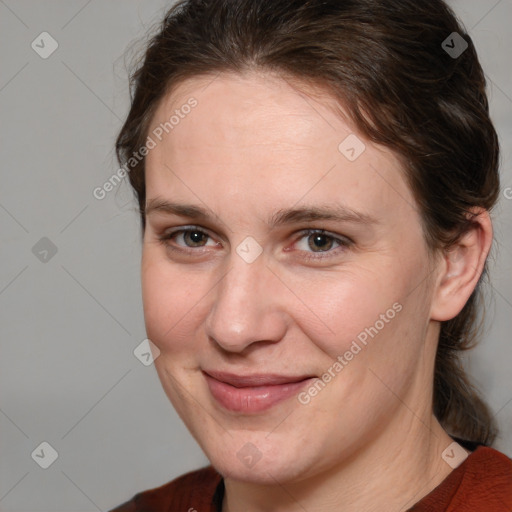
254	393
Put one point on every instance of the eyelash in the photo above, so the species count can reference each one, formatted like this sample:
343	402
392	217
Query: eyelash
344	242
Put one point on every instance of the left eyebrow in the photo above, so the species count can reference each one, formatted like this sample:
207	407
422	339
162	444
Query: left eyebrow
336	213
281	217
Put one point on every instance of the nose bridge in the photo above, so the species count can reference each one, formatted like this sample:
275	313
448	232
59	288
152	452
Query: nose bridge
241	313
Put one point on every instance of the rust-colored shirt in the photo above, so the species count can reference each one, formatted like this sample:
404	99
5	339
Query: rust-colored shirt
482	483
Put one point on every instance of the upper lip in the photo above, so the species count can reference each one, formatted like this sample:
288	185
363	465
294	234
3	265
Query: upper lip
257	379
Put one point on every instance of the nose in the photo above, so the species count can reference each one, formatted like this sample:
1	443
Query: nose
246	307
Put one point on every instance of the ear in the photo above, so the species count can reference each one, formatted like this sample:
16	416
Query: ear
460	268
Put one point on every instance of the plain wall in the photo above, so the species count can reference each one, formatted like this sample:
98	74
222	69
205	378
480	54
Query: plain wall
70	321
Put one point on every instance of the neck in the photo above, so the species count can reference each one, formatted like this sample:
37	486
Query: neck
393	472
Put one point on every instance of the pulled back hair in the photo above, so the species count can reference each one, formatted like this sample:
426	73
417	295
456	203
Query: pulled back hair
385	63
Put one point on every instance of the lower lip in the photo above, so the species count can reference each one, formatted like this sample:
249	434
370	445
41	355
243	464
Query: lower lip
252	399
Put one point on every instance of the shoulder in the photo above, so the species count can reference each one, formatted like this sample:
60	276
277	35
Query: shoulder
483	482
191	492
488	476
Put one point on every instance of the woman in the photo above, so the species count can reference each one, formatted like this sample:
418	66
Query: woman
315	180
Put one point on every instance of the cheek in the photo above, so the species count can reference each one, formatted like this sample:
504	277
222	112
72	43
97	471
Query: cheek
372	327
342	307
171	300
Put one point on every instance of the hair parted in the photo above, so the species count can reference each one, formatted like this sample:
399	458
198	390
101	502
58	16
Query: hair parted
384	61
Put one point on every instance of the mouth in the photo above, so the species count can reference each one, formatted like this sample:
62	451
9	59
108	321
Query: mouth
253	393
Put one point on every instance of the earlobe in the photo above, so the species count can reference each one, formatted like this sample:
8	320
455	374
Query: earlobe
462	265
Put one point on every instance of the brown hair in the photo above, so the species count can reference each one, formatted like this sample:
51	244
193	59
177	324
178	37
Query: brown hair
387	63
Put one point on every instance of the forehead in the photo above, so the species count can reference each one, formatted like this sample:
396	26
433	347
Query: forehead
262	136
256	107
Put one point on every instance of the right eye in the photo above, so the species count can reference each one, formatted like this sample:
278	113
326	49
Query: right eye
192	238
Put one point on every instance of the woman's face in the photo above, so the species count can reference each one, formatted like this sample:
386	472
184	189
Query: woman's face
284	351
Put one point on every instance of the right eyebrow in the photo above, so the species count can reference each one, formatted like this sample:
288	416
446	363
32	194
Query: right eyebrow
183	210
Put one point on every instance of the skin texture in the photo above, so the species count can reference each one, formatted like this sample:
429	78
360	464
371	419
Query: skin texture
253	145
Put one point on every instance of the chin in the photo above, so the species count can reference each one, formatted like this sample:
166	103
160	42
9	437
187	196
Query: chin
264	472
252	457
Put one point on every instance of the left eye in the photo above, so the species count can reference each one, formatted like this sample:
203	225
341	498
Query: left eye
319	241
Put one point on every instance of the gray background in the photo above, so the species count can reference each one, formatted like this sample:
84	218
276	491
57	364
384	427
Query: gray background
69	325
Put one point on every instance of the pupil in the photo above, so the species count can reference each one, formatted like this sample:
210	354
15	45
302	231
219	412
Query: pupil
320	239
195	236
